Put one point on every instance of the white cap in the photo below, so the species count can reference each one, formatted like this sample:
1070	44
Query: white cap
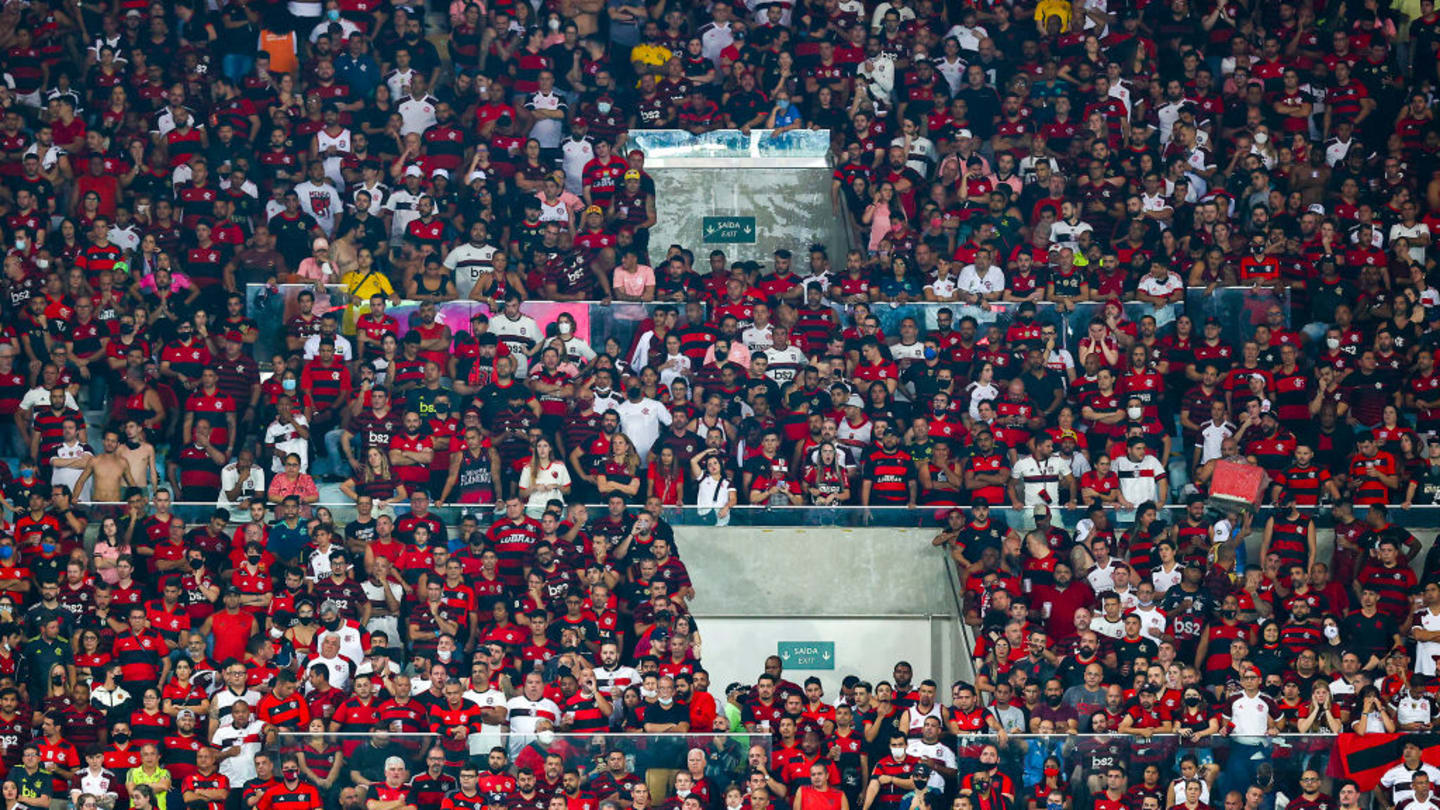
414	171
473	176
963	133
440	173
855	401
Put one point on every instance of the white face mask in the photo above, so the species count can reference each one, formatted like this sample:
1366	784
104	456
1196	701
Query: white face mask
42	263
445	655
666	701
1134	413
897	753
1261	138
1333	343
564	328
603	107
554	24
1332	632
545	737
647	693
681	793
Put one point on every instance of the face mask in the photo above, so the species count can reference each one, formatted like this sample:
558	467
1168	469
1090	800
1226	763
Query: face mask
634	393
1332	632
666	701
1134	413
253	559
1052	771
292	776
564	328
982	785
48	548
19	244
554	24
1261	138
897	753
333	15
305	620
603	107
545	737
1332	343
930	353
196	565
1227	614
127	328
288	385
120	737
333	624
445	655
1192	702
42	263
6	552
276	633
682	793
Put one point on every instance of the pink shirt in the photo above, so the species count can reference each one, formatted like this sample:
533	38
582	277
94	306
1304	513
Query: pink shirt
633	284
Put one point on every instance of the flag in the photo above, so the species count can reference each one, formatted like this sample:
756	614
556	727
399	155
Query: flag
1366	757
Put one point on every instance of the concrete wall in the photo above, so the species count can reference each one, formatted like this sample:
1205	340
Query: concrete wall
791	208
734	647
880	594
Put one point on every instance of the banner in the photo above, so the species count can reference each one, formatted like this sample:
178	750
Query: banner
1366	757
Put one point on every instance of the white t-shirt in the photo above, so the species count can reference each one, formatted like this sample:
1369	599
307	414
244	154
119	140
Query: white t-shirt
39	397
416	114
937	750
67	476
1036	477
524	714
468	263
552	474
342	347
240	769
1397	779
1139	480
973	281
1398	230
1212	436
1152	622
1107	628
1426	651
641	422
321	201
230	475
1150	286
286	440
489	734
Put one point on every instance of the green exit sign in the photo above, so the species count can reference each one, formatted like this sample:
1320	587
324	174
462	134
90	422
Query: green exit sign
728	230
807	654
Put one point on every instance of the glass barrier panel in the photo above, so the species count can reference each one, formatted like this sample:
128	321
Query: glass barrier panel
611	765
858	517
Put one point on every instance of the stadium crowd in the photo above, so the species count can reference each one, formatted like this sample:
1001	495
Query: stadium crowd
1039	160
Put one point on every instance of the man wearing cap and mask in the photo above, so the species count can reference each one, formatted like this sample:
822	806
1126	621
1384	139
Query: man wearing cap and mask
292	793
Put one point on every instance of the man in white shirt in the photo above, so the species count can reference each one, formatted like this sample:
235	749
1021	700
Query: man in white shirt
981	281
238	741
641	419
1038	477
1253	715
519	332
1152	618
319	199
527	710
492	709
1399	781
69	459
1066	230
548	110
472	260
1142	476
417	110
929	749
242	477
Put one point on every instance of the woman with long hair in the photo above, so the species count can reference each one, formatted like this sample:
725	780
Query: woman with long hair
827	483
618	473
544	479
376	480
183	693
663	478
715	493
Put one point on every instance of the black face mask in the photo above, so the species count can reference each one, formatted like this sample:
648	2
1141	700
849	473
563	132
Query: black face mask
1227	614
333	624
196	565
1192	702
253	559
127	328
633	393
305	620
120	737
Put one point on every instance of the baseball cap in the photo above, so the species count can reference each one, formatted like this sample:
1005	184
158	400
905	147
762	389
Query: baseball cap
632	174
855	401
235	336
414	171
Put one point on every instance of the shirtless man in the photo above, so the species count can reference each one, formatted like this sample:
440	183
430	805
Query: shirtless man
140	455
109	470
